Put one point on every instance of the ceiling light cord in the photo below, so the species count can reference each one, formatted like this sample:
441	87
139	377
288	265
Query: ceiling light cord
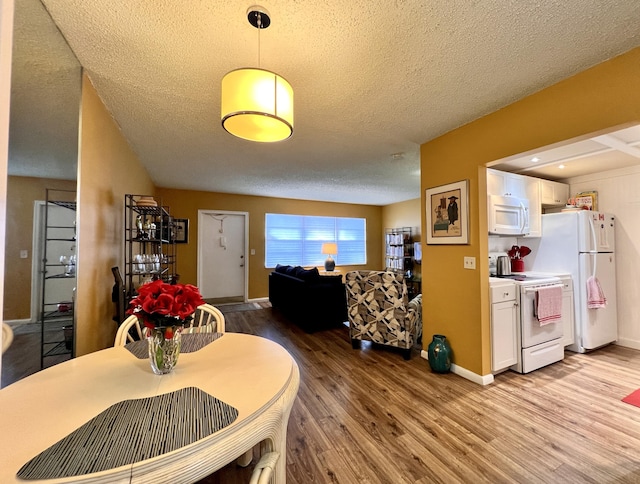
259	27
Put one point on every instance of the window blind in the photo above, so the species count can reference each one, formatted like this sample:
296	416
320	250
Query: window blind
297	239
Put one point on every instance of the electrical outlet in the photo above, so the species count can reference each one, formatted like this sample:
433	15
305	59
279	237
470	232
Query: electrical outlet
469	262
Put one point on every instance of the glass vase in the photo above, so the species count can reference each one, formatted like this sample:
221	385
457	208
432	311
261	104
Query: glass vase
439	353
164	347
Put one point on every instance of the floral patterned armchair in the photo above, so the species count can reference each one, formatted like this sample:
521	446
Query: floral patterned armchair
379	310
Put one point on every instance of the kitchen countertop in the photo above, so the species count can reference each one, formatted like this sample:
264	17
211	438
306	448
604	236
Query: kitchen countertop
501	281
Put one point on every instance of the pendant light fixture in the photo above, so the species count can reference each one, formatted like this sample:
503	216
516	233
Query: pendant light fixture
257	105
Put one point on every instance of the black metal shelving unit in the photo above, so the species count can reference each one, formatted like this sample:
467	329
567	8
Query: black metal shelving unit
149	243
398	249
399	256
57	315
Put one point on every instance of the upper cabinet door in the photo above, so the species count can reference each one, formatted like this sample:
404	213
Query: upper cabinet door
506	184
553	194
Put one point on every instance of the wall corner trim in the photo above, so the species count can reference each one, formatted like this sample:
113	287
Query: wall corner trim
464	373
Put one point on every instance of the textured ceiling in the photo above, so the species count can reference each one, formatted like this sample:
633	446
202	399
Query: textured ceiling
592	154
371	79
45	97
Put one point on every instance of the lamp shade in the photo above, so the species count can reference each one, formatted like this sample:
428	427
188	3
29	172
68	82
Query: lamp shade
330	248
257	105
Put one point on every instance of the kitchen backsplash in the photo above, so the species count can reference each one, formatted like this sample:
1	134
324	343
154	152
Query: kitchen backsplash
501	244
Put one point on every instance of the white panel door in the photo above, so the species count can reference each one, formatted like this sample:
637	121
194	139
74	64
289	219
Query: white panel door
504	335
221	254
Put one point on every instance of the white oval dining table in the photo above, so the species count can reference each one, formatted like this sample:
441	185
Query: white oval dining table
255	376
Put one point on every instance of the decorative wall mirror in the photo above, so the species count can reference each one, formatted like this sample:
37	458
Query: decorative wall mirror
46	84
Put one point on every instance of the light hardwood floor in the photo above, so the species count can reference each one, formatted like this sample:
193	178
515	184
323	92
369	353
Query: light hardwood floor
368	416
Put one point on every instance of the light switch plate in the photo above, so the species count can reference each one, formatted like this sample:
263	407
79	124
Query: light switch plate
469	262
24	254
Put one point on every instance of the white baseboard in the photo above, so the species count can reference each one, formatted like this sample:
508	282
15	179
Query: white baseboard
464	373
258	299
18	322
628	343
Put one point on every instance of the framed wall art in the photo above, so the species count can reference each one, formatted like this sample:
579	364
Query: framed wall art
181	230
448	213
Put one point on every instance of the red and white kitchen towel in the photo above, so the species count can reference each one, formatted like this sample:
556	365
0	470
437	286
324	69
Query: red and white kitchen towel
595	296
549	304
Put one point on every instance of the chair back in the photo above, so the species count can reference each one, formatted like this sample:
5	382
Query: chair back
124	334
7	336
206	319
378	308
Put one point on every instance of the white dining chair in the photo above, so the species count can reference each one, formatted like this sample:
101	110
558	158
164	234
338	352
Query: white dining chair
7	336
123	336
206	319
264	468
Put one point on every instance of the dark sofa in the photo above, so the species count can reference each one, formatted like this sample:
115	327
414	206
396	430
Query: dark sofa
312	301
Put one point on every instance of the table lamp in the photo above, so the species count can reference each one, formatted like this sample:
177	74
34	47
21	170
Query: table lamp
330	248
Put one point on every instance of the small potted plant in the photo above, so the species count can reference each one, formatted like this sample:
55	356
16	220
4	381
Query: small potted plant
517	254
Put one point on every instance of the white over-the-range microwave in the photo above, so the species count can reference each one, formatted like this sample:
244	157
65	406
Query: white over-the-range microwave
508	215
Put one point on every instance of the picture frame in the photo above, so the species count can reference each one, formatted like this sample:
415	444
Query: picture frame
181	230
587	199
447	209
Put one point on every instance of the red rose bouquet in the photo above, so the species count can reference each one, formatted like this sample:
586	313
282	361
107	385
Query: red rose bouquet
160	304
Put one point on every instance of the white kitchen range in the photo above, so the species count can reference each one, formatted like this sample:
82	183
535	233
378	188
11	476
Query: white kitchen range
520	340
542	253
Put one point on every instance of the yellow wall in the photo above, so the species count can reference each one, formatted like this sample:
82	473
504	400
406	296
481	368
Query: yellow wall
108	170
597	99
185	204
22	192
404	214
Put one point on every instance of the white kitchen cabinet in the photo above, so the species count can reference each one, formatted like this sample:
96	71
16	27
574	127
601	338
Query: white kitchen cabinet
502	183
504	320
553	194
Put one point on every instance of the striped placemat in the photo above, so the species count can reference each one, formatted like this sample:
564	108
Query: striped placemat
190	343
132	431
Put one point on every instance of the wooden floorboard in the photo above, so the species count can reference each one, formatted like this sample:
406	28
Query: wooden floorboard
369	416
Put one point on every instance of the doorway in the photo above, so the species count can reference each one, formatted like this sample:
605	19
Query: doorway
222	248
59	249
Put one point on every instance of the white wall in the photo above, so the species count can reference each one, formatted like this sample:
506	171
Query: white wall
619	194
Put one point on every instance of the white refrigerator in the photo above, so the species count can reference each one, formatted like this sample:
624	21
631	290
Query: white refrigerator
582	244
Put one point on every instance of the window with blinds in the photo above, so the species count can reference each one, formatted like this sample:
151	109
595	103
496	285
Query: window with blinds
297	240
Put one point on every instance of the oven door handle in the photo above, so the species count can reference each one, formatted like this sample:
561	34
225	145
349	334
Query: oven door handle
535	288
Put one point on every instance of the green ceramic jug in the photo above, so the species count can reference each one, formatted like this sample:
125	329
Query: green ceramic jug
439	354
